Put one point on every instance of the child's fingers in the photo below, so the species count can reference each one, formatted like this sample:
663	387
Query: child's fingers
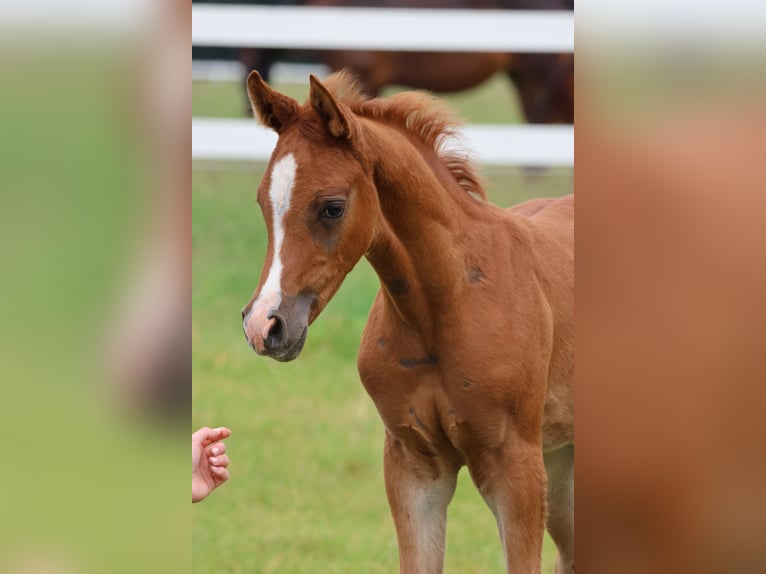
201	435
215	449
222	432
206	435
222	460
220	473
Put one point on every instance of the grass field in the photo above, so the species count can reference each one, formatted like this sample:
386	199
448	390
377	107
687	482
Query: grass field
307	494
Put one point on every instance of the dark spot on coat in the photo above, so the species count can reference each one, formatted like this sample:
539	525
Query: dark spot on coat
398	286
419	422
427	360
467	384
381	342
427	453
475	274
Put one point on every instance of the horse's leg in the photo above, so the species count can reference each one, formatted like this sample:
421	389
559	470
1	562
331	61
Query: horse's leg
559	464
530	74
512	481
419	490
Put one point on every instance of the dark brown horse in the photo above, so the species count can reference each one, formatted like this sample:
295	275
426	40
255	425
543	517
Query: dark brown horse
545	82
468	353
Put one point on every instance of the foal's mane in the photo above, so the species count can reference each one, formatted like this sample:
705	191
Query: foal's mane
420	113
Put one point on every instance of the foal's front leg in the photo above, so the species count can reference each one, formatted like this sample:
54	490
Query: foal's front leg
513	483
419	488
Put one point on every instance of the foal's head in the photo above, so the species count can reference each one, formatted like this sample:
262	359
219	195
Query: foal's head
317	198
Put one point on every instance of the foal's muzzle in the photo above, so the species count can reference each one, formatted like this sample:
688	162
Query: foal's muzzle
282	331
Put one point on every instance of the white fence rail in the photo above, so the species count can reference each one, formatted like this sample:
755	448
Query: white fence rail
387	29
382	28
544	146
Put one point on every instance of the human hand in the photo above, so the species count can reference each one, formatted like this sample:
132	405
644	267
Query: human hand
209	461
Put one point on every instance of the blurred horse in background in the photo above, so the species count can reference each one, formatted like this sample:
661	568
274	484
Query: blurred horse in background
545	82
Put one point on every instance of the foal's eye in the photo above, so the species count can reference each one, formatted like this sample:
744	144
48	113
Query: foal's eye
333	210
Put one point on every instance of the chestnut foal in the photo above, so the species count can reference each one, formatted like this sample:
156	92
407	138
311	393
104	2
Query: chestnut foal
468	353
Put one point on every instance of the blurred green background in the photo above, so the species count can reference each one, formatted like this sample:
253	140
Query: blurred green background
307	492
90	484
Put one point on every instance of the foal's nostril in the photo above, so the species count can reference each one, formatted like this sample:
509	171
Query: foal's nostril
276	335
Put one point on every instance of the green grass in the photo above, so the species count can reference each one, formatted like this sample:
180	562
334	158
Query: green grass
306	493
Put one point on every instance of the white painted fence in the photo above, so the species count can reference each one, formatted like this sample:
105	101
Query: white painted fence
382	28
544	146
387	29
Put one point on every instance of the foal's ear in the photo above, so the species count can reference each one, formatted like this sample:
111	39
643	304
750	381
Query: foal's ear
273	109
334	114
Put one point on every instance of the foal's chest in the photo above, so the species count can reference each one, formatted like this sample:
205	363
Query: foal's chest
430	403
403	380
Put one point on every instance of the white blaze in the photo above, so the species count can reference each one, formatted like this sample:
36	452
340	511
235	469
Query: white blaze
280	193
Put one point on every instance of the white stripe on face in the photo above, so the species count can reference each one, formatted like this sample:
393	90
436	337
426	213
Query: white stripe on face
280	192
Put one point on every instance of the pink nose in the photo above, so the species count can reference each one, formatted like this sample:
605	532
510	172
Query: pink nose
257	331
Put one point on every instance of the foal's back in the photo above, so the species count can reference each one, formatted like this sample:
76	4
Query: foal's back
561	208
551	221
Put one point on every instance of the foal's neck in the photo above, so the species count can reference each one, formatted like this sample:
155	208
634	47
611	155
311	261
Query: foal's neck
422	239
